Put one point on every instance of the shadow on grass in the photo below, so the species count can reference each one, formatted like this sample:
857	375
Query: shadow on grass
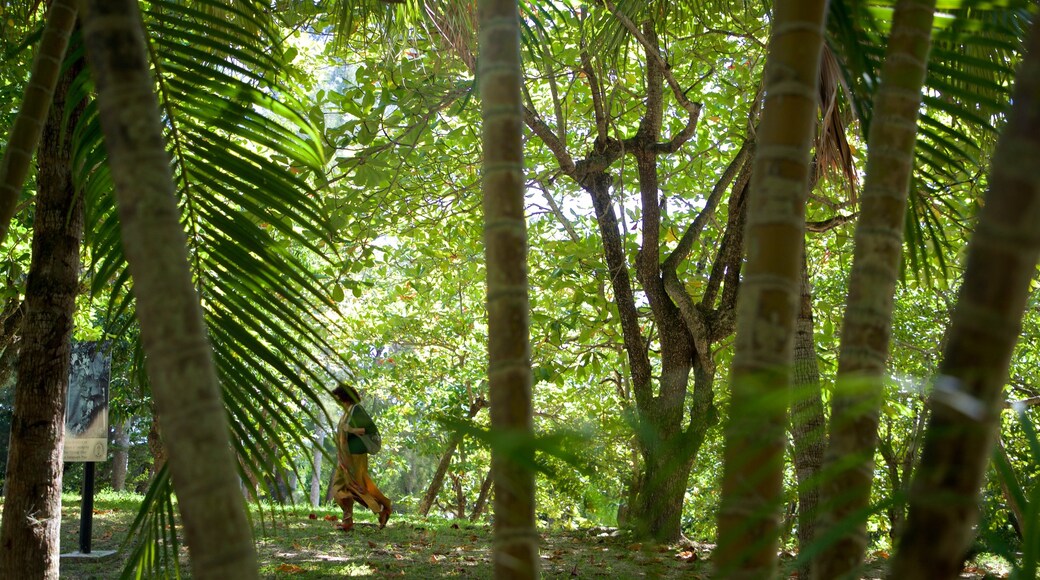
300	542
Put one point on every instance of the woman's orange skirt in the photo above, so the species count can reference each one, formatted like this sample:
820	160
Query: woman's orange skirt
353	483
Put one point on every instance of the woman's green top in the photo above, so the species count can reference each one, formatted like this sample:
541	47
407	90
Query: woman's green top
370	442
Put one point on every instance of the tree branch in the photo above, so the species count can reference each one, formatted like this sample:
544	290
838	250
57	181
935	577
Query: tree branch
544	132
597	95
730	251
653	53
558	213
682	250
829	224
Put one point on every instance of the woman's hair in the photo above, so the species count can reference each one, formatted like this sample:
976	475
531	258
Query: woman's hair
346	394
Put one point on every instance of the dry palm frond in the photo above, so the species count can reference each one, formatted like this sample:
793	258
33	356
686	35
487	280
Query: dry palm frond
834	158
455	24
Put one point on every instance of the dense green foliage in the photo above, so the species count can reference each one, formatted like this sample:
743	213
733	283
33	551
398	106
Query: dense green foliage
328	175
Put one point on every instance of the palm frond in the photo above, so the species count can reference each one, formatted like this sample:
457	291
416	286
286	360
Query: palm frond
967	91
259	235
152	539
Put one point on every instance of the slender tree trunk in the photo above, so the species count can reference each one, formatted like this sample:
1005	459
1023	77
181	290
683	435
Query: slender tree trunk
808	426
967	396
900	470
155	446
438	476
442	466
752	485
39	93
505	242
316	462
875	269
179	357
120	455
1017	510
481	503
32	508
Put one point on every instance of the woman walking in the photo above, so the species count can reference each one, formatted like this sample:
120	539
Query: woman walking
356	438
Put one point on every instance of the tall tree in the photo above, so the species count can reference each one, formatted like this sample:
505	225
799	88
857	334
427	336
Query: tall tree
28	126
875	270
966	397
32	506
687	330
808	426
748	523
505	241
180	363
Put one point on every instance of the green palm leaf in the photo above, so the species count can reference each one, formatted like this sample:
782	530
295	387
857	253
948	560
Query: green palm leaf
967	91
227	113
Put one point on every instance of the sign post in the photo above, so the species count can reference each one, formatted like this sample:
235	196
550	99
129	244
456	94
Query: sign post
86	427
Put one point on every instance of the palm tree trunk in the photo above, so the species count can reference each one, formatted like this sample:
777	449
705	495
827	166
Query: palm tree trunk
967	396
505	242
752	485
808	426
32	508
875	269
39	93
179	358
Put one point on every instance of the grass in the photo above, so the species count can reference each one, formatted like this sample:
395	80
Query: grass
298	542
292	544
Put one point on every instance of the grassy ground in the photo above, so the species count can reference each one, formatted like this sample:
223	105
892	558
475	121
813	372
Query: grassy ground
293	544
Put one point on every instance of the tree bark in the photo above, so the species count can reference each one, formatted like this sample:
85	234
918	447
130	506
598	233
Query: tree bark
900	469
967	396
155	446
752	485
866	329
500	78
37	102
481	503
120	455
316	462
442	466
32	508
808	425
179	357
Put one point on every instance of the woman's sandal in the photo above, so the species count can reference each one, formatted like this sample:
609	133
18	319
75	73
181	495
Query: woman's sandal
384	516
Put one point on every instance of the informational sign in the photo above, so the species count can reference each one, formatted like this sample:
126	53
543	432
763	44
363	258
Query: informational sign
86	408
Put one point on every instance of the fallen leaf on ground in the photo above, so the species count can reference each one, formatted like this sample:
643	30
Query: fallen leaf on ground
688	556
290	569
